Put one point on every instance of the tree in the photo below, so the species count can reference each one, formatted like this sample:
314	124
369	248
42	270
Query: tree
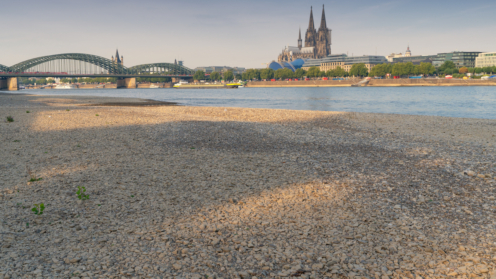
199	75
380	70
228	75
471	70
251	74
447	65
238	76
463	70
455	71
478	70
214	76
487	70
283	73
358	70
313	72
267	74
50	81
300	73
427	68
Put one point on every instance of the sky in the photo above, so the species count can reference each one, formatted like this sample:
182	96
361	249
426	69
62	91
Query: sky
238	33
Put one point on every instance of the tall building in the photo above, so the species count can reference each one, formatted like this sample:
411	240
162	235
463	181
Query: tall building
117	59
317	44
487	59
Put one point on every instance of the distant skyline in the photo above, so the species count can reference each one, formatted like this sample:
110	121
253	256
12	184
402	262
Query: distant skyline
237	33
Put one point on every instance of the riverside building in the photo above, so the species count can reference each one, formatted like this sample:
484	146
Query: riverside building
486	59
460	58
331	62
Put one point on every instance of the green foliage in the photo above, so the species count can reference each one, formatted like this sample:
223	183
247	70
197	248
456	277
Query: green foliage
338	72
283	74
228	75
27	111
80	193
381	70
300	73
38	208
478	70
358	70
267	74
487	70
97	114
251	74
215	76
199	75
313	72
427	68
471	70
34	179
463	70
238	76
10	119
447	65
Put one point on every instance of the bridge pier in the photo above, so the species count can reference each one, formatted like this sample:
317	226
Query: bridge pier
9	84
126	83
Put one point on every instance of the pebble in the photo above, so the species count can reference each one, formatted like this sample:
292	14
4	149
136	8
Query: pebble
185	192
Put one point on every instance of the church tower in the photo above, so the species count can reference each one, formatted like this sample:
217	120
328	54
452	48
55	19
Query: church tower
311	35
323	38
300	44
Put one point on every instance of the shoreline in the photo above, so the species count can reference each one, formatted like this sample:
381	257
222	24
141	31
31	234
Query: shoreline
189	192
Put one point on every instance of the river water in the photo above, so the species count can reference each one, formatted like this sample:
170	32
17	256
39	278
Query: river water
463	101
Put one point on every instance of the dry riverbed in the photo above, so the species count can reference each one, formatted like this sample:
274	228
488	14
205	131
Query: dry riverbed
199	192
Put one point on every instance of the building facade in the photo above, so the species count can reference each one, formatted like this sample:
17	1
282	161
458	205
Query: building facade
317	43
487	59
460	58
220	69
331	62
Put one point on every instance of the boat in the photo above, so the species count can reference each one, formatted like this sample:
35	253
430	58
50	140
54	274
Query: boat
154	86
64	86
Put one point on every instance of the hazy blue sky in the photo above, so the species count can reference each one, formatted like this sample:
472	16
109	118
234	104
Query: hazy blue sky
237	33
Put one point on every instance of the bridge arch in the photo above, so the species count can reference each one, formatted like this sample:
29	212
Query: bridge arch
160	68
54	62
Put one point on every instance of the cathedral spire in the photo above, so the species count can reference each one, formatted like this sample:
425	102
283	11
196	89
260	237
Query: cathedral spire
300	44
311	25
323	24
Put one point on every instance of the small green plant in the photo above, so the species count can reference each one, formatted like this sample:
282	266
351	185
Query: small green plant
97	114
38	208
10	119
68	110
27	225
17	141
80	193
132	196
27	111
34	179
78	145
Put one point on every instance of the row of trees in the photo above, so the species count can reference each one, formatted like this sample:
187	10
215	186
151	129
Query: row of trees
214	76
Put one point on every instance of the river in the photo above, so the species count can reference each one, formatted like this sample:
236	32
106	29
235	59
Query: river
462	101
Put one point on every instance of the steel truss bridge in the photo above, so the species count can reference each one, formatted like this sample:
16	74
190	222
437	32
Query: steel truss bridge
87	65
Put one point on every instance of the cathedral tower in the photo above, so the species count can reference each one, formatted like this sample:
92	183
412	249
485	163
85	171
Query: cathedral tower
311	35
323	38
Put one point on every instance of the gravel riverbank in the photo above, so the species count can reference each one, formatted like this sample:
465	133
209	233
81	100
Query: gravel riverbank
202	192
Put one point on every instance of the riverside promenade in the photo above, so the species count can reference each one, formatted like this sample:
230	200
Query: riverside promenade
191	192
373	83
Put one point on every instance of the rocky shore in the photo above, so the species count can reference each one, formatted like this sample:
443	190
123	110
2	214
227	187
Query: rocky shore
202	192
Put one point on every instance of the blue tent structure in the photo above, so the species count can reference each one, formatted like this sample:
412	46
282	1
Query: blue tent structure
293	66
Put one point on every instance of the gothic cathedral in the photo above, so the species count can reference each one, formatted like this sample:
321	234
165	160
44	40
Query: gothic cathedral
317	44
